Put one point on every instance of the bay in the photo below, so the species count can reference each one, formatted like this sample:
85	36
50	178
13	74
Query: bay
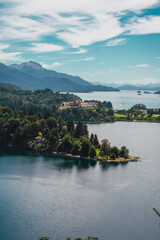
44	195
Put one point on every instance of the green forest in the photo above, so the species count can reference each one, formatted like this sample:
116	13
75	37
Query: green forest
46	100
138	112
46	133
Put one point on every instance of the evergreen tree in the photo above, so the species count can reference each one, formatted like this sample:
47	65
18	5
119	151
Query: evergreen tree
85	130
85	147
79	131
124	152
70	126
47	114
67	143
114	150
96	141
105	147
76	147
92	152
92	138
51	122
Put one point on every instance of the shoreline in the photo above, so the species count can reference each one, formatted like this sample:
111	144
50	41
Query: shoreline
75	157
99	122
97	159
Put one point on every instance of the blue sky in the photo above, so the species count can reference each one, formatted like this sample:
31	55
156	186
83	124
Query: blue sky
107	41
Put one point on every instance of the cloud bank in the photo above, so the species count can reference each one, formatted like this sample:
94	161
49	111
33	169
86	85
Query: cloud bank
77	23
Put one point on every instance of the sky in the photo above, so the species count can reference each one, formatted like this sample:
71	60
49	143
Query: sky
105	41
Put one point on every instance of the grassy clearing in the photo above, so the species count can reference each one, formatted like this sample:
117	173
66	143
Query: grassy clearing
155	115
117	115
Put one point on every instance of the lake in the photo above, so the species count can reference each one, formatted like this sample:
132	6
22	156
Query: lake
123	99
43	195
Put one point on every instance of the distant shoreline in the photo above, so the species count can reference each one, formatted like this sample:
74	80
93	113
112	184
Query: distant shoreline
99	122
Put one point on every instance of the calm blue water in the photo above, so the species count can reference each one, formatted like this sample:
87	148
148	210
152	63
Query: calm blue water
42	195
123	99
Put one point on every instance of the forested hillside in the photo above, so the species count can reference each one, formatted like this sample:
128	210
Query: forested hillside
47	102
39	100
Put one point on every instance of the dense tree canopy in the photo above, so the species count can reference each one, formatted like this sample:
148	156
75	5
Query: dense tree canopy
48	102
41	132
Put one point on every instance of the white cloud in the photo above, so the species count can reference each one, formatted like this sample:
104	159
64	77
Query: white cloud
11	56
113	70
144	65
23	28
145	25
44	65
50	66
34	7
82	59
56	64
115	42
81	50
101	27
2	47
158	57
45	47
145	81
137	81
88	59
78	23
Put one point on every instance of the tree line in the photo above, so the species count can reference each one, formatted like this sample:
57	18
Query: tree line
88	238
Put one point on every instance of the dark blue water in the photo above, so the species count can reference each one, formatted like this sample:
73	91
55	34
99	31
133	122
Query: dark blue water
42	195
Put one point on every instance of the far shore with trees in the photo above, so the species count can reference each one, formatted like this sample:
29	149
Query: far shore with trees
88	238
139	112
48	102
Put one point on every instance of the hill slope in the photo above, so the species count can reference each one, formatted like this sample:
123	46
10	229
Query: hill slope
16	98
32	76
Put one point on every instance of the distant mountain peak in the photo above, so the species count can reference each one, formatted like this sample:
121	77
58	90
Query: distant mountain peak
27	65
31	75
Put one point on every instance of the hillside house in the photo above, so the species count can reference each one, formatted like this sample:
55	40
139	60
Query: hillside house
88	104
71	104
39	139
78	103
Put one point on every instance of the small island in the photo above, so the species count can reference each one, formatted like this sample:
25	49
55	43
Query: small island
146	92
46	133
158	92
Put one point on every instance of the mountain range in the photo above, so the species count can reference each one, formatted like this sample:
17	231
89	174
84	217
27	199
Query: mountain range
31	76
148	87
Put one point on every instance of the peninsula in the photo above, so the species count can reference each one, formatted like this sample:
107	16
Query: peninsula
46	133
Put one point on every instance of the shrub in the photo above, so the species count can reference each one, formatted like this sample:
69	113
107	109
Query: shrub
113	156
124	152
76	147
114	150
